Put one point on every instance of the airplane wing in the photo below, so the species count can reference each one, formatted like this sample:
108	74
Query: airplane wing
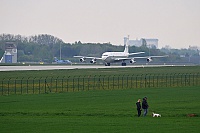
149	58
93	59
136	53
142	57
86	57
132	59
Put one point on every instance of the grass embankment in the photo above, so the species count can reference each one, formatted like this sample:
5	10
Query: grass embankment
101	111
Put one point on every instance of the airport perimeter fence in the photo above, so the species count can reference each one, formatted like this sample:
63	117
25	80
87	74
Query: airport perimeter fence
33	85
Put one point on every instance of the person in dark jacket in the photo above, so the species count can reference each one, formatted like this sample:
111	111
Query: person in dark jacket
145	106
139	107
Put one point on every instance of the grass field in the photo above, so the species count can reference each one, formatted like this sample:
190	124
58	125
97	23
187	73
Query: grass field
107	71
54	81
102	111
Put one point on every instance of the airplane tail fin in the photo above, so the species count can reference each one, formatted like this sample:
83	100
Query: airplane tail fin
126	45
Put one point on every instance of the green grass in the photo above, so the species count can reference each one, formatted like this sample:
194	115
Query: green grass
29	82
97	72
101	111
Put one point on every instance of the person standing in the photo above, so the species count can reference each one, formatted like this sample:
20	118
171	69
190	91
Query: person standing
138	107
145	106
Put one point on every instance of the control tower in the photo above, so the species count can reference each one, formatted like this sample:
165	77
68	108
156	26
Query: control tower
10	55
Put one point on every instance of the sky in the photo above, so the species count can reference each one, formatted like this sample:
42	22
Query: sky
174	22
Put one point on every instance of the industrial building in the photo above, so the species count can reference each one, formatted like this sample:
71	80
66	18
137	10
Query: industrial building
10	55
149	42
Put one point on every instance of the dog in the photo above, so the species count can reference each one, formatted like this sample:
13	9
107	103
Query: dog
156	115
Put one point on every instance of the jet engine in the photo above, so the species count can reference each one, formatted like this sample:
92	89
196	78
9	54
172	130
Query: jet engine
82	59
93	61
149	59
132	61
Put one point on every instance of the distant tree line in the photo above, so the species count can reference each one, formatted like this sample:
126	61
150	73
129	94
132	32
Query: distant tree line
45	47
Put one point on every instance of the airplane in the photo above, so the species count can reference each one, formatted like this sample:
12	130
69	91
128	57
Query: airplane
111	57
62	61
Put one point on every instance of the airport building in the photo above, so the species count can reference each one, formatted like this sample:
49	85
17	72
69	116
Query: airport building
149	42
10	55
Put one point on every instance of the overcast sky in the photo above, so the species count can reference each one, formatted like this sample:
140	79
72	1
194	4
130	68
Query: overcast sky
173	22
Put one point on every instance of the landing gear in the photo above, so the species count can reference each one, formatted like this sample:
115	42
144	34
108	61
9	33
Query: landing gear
107	64
123	63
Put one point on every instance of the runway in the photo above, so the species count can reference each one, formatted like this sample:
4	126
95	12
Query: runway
48	67
63	67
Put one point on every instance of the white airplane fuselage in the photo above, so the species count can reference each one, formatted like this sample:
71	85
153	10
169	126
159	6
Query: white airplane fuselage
110	57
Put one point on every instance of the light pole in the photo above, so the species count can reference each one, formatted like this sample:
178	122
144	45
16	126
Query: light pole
60	51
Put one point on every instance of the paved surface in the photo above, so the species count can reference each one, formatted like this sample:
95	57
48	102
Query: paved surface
57	67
